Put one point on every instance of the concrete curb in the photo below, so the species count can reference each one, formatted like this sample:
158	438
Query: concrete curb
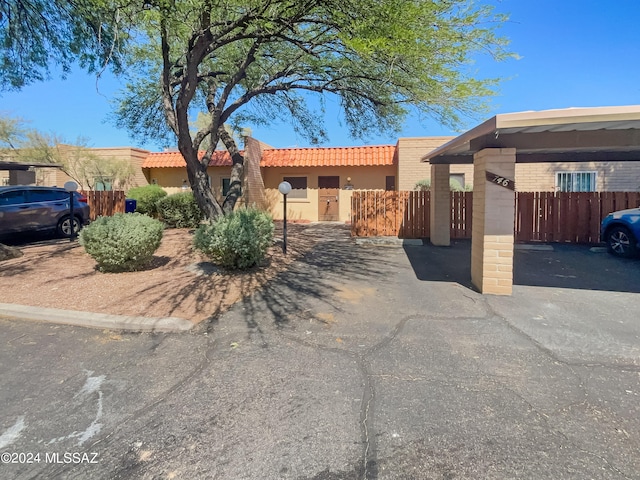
388	241
95	320
534	247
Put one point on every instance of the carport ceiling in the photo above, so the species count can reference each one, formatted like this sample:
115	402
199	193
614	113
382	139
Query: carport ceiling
565	135
27	166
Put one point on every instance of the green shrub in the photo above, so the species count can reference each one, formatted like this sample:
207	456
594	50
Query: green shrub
238	240
146	199
180	210
423	185
124	242
454	186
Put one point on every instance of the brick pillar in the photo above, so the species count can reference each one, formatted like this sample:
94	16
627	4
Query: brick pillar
440	206
493	218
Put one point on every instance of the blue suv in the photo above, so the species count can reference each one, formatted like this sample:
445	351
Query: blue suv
29	209
621	232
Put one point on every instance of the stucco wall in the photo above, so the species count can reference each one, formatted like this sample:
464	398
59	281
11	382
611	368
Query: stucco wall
362	178
171	179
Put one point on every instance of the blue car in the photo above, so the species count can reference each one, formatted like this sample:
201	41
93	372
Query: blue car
621	232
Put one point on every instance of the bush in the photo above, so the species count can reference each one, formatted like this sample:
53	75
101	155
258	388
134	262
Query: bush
147	198
238	240
423	185
180	210
124	242
454	186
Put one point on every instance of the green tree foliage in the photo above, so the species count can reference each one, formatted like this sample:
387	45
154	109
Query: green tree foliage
258	60
36	33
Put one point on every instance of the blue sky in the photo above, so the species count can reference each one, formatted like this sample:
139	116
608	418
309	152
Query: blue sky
574	53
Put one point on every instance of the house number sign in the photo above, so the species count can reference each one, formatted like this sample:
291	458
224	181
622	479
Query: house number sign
500	180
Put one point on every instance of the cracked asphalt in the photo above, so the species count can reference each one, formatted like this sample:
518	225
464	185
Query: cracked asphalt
359	362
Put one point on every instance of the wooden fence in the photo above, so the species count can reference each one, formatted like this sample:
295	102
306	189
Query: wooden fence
540	216
105	204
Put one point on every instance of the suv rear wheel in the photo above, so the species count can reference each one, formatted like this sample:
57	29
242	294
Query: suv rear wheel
64	226
620	242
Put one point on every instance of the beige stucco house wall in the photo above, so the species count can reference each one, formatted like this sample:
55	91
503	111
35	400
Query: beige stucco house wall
172	179
362	178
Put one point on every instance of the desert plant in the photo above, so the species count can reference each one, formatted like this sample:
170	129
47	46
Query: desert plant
147	198
238	240
180	210
423	185
123	242
454	186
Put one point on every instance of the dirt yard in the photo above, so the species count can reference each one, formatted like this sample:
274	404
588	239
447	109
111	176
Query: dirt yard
179	282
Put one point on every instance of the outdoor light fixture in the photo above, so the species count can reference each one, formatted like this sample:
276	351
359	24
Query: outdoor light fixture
71	187
284	188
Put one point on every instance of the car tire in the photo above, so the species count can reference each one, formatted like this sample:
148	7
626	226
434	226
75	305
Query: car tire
64	226
620	242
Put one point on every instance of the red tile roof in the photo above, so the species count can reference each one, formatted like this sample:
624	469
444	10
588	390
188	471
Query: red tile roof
329	157
379	155
220	158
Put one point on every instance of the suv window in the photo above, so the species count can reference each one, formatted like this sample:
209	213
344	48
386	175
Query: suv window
47	195
12	198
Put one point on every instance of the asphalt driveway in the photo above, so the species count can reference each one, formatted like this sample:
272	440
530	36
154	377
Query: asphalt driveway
358	362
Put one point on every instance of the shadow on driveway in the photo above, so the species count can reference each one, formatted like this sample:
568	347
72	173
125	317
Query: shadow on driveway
567	266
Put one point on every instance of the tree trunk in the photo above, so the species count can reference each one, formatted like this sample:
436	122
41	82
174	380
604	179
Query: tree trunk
199	181
237	171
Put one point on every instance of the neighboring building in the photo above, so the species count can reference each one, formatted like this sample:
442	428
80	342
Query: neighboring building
57	177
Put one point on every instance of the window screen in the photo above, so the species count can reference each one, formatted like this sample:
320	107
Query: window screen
298	186
576	181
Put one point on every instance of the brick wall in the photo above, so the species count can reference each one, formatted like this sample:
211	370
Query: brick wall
411	169
610	176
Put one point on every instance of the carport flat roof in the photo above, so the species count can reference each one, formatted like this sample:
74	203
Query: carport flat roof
567	135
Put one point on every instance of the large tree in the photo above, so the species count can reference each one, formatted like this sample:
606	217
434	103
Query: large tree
36	34
253	61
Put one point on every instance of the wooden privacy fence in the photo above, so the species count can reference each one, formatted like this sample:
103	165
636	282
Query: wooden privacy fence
540	216
405	214
567	216
105	203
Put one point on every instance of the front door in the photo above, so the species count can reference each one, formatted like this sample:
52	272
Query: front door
328	195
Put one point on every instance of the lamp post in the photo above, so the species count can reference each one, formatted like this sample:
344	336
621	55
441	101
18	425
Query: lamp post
284	188
71	187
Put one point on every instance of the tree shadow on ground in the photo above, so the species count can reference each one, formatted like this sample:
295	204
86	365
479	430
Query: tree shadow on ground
316	277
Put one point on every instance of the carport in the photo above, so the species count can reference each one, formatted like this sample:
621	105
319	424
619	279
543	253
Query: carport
597	134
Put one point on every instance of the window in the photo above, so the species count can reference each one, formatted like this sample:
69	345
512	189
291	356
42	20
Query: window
298	186
456	181
103	184
47	195
390	182
13	198
226	184
576	181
